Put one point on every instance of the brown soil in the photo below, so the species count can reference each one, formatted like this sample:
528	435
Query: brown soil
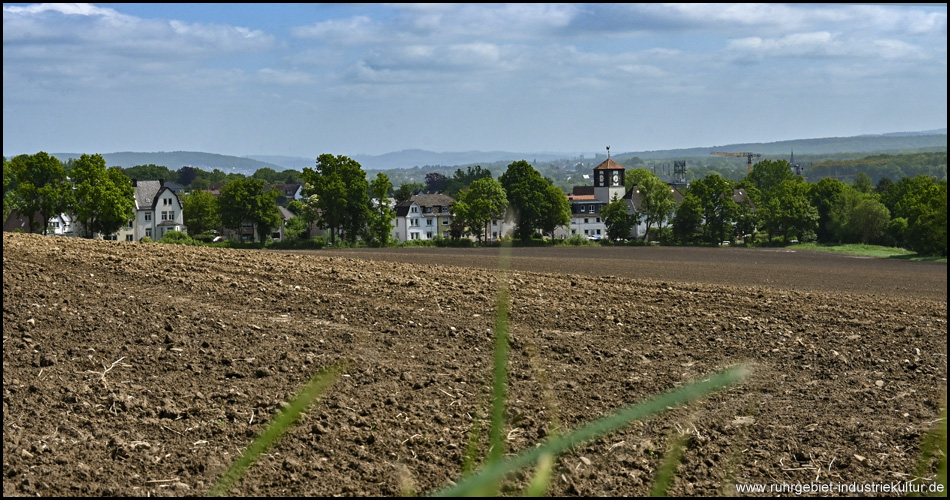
145	369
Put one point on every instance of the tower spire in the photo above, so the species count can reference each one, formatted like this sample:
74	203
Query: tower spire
608	152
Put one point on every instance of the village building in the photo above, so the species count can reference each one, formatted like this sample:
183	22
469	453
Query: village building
423	217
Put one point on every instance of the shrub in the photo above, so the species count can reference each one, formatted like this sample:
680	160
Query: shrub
576	240
177	238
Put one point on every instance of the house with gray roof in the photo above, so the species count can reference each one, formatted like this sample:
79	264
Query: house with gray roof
423	217
158	210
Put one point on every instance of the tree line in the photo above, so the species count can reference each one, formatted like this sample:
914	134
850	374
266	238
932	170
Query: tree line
778	207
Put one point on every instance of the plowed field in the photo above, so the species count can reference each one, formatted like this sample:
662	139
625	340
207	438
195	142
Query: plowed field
145	369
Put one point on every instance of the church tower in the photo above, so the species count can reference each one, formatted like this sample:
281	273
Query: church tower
608	180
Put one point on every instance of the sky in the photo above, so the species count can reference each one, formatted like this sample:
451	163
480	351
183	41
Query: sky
350	79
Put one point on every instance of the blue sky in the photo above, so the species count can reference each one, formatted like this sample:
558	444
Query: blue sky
308	79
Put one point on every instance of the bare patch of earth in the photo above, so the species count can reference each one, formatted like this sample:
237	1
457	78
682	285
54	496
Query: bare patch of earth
146	369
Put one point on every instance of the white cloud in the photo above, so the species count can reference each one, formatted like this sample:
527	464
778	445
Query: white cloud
88	42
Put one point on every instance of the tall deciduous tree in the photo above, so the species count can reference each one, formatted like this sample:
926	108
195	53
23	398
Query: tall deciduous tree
381	213
537	204
342	195
766	175
41	187
617	219
688	220
245	200
718	208
406	190
200	212
824	195
656	199
477	206
105	198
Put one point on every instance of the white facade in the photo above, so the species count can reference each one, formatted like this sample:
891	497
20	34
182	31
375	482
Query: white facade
158	210
423	217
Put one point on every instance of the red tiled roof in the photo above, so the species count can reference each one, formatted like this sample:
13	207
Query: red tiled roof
609	164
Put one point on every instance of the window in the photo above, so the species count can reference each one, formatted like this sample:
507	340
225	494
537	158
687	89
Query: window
582	208
427	210
598	220
413	236
414	210
148	232
171	215
148	216
166	201
586	221
128	237
164	215
428	222
445	222
445	210
428	235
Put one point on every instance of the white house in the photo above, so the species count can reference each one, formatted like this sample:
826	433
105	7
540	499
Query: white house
158	210
423	217
59	225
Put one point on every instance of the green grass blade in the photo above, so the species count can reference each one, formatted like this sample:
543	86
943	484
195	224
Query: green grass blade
494	472
500	372
542	478
667	470
313	390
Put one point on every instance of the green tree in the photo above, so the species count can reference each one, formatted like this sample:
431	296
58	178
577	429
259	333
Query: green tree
151	172
718	208
537	204
688	220
767	175
245	200
200	212
656	199
796	215
342	195
922	201
824	196
556	210
464	179
862	182
406	190
869	220
187	175
617	219
104	197
381	214
41	187
484	201
296	227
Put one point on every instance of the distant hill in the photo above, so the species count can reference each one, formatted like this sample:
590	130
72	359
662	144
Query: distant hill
409	158
177	159
932	140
